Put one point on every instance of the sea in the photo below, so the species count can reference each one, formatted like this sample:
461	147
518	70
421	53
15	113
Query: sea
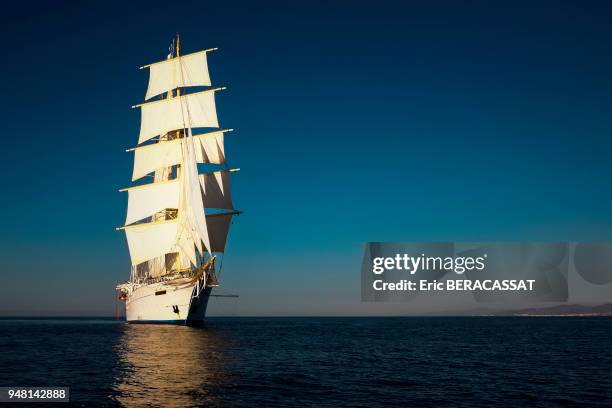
315	362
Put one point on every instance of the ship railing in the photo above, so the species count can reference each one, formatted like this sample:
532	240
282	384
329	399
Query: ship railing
174	274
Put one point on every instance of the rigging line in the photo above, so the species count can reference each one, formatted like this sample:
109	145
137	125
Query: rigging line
226	241
188	135
182	231
221	263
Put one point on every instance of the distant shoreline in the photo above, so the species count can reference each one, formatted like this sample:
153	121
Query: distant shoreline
575	310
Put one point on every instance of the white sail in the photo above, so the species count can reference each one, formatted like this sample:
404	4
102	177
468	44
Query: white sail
187	247
216	190
187	70
193	110
218	227
150	240
146	200
152	268
192	222
209	149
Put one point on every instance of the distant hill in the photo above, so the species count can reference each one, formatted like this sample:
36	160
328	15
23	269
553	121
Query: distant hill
562	310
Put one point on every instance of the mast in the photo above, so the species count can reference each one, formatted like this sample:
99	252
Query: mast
168	216
178	54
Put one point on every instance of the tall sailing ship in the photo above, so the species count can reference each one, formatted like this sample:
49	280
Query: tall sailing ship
180	210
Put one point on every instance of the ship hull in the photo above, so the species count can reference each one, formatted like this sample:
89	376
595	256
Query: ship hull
167	304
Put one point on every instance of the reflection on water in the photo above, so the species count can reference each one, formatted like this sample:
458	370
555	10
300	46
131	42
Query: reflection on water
321	362
165	365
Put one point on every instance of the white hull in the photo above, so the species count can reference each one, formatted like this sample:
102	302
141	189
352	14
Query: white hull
164	303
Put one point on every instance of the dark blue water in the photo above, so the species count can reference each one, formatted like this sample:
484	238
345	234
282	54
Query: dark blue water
269	362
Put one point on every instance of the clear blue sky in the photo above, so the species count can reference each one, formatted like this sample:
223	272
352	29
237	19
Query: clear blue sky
355	122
